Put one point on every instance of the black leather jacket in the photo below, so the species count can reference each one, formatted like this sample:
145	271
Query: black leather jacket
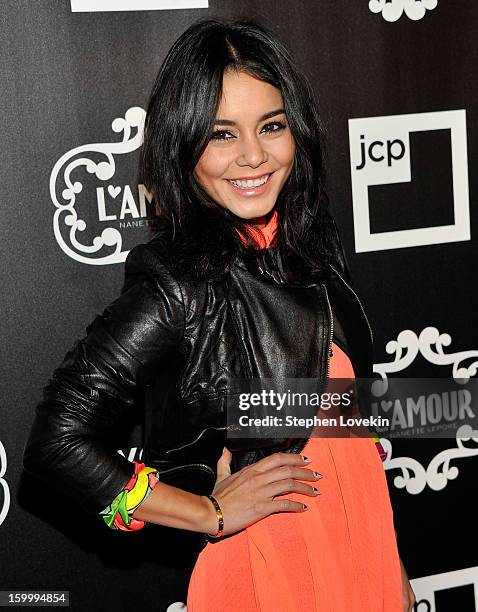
174	347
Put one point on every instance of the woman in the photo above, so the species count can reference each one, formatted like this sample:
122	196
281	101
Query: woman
244	278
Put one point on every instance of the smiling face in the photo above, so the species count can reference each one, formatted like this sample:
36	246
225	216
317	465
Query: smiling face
251	151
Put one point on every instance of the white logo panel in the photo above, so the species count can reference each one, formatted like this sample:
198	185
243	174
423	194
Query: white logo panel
426	588
95	6
380	155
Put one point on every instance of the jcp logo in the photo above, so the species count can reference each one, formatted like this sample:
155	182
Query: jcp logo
381	156
379	151
435	593
93	6
3	484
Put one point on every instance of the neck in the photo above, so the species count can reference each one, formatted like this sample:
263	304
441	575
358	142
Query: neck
262	222
264	231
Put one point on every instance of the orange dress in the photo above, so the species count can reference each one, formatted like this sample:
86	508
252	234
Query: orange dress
340	555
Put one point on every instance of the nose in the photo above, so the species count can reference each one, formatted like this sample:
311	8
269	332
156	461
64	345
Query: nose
252	152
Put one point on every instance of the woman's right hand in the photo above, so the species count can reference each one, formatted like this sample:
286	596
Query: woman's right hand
249	495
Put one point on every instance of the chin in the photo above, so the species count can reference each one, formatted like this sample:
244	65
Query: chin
249	211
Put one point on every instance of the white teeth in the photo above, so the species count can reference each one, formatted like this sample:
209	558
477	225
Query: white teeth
250	183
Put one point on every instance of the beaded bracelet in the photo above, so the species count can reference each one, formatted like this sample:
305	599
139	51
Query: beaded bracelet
381	451
117	515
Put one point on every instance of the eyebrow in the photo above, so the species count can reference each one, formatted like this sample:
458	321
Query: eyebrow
279	111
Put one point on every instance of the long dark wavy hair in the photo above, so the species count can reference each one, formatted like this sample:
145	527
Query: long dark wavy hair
198	235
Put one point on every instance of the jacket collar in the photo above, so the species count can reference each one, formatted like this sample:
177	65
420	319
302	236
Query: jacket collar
267	265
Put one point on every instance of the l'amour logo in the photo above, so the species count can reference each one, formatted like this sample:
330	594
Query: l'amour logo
432	345
94	210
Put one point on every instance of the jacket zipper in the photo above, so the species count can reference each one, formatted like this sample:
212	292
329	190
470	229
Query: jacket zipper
358	300
303	442
331	333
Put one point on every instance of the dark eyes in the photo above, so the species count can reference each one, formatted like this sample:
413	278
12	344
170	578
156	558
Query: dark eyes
274	126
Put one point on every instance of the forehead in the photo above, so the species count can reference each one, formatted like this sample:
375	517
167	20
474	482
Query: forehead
244	96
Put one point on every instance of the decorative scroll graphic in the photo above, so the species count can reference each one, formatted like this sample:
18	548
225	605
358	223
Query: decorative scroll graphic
3	484
392	10
107	248
177	606
430	344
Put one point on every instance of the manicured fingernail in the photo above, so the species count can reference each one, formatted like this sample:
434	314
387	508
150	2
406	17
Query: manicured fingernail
315	490
306	459
317	475
305	506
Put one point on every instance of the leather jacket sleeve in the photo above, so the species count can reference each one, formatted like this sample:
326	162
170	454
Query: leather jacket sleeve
92	393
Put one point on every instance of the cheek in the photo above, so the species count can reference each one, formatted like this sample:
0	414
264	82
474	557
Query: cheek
285	152
212	165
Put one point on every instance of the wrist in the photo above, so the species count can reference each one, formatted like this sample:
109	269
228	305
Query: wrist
219	517
210	519
174	507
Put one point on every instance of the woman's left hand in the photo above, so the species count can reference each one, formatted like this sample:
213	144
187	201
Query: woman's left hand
407	592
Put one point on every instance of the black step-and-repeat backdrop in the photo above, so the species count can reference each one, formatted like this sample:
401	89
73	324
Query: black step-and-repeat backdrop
397	84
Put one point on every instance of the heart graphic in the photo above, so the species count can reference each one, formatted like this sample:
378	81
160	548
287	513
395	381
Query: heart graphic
114	191
386	406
